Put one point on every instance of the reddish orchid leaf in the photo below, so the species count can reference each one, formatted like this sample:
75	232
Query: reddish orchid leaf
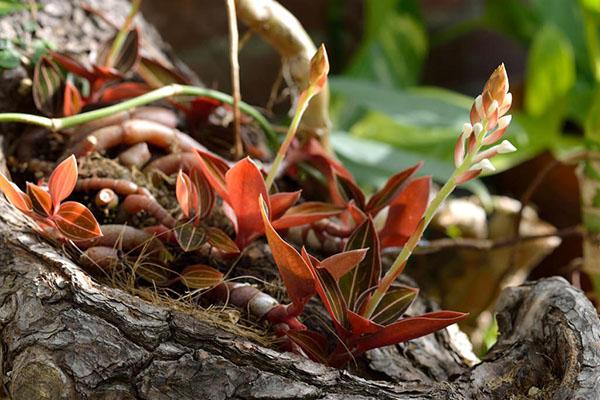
126	57
206	196
409	328
314	344
394	304
348	190
76	222
306	213
41	201
155	74
123	91
360	325
280	202
392	188
47	87
189	236
330	294
72	65
366	274
14	195
293	269
340	264
201	276
186	194
214	169
219	240
72	102
245	184
405	213
63	180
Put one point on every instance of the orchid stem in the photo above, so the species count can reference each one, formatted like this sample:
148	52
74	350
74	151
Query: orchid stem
303	102
400	261
57	124
235	75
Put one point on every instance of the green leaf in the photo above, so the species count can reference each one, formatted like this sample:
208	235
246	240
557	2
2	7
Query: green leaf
11	6
394	53
550	70
394	304
9	58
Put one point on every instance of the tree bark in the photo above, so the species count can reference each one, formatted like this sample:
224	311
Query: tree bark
64	336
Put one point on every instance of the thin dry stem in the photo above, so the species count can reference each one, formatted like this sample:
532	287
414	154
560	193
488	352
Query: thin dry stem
235	75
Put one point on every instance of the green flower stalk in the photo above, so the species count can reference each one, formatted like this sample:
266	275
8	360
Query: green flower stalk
487	126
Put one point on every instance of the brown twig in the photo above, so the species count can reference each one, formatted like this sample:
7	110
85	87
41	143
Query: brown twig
235	75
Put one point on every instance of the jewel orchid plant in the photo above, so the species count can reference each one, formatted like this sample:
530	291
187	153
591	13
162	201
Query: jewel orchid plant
44	204
367	307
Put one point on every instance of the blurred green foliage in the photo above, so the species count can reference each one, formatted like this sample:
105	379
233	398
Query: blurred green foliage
377	100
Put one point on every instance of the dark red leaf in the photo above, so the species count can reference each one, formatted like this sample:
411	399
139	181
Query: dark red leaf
409	328
405	213
348	190
123	91
219	240
201	276
306	213
392	188
340	264
72	102
394	304
186	194
153	273
330	294
314	344
48	87
76	222
16	197
280	202
366	275
293	269
63	180
72	65
360	325
245	184
214	169
126	56
41	201
206	195
158	75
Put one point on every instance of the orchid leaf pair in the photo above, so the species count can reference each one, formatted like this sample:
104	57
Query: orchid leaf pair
45	206
196	199
241	185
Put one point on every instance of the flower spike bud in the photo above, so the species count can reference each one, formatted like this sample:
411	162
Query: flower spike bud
497	134
467	176
505	106
505	147
484	165
502	148
479	109
459	148
477	129
319	68
497	85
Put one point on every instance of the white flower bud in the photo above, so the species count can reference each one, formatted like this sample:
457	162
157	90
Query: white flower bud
479	106
504	121
485	165
505	147
477	128
492	108
467	130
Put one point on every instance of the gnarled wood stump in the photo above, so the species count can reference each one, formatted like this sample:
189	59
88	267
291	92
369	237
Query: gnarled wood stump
64	336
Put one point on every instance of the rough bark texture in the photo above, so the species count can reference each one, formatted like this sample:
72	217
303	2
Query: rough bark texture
66	337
